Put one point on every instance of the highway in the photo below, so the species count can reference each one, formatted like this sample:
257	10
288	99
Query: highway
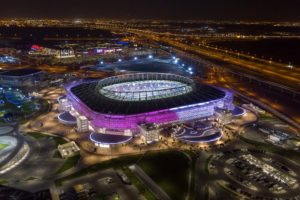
274	72
277	86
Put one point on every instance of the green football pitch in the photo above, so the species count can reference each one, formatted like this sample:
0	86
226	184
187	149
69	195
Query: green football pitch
2	146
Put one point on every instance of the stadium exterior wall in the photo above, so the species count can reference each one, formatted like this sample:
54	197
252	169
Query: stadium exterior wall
121	123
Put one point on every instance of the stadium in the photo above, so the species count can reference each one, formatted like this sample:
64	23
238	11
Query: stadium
21	78
119	105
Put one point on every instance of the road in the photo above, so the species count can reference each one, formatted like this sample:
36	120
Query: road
274	72
153	187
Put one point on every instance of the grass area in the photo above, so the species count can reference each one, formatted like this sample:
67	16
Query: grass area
206	192
136	182
170	170
38	135
30	178
207	161
2	181
3	146
265	116
59	140
192	165
56	154
68	164
228	190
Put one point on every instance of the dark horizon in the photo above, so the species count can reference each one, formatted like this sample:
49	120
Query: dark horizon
233	10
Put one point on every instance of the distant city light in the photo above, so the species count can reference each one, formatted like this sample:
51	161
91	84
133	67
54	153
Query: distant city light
101	62
190	69
135	58
290	66
77	21
183	65
120	60
150	56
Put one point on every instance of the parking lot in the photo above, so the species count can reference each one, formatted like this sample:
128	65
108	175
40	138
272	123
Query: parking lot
259	174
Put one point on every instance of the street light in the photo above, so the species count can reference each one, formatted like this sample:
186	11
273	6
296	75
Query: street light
135	58
150	56
120	60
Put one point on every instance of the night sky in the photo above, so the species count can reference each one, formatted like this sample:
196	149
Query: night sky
279	10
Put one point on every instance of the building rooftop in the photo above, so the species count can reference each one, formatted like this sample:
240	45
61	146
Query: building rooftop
109	138
20	72
67	117
149	126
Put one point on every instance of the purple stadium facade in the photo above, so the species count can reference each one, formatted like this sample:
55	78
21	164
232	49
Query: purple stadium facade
119	105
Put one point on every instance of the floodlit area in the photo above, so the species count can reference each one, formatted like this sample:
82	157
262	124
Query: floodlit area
145	90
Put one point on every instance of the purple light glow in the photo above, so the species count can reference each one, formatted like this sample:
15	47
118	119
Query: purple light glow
132	122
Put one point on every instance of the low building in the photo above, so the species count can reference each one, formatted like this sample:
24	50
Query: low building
82	124
57	53
151	132
68	149
64	105
65	53
224	116
21	77
274	138
277	136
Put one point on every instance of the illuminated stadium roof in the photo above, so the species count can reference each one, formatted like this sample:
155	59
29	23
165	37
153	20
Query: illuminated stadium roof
142	92
145	90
